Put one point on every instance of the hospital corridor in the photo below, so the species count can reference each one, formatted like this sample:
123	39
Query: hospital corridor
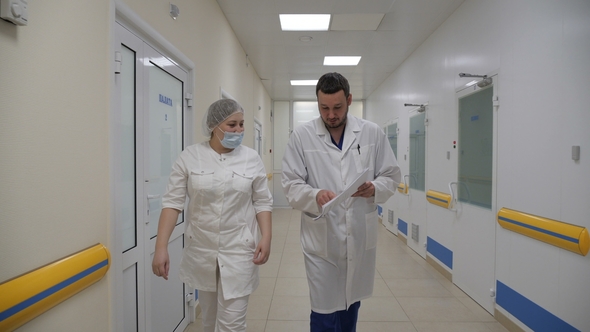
464	126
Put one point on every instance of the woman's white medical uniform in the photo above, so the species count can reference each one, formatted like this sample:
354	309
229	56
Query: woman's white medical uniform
339	249
225	192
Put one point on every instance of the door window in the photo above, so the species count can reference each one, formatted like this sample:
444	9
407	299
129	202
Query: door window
417	151
476	148
392	137
127	209
165	136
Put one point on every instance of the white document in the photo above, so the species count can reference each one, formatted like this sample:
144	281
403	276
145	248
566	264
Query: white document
348	191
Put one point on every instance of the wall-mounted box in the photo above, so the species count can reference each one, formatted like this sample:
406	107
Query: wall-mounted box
15	11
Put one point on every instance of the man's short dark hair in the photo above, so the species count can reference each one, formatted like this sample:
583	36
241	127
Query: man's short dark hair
331	83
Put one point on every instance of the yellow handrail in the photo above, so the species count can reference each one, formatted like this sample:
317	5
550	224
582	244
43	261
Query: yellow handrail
31	294
439	198
567	236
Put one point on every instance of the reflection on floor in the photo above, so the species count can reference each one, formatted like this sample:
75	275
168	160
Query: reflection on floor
409	295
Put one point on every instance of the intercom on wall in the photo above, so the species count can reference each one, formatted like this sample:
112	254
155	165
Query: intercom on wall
14	11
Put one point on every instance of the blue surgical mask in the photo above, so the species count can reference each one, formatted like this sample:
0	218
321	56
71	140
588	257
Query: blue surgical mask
231	140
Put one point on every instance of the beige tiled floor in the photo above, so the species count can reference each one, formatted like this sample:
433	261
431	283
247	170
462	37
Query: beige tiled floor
409	295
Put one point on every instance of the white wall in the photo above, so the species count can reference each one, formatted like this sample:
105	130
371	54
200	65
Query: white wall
54	182
541	50
54	136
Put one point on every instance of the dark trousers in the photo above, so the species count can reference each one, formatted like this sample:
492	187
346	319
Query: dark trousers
339	321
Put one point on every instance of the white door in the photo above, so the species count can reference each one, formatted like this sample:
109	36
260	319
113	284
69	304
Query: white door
149	138
417	225
474	228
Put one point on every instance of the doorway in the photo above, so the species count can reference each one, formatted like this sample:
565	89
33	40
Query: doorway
474	228
148	136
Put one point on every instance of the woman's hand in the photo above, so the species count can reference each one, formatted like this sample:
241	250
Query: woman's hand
161	263
262	252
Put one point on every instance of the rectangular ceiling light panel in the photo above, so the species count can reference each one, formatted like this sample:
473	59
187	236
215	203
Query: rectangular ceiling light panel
304	82
304	22
341	60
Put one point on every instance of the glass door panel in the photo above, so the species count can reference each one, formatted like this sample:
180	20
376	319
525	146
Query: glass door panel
165	137
304	111
127	197
476	148
417	152
392	137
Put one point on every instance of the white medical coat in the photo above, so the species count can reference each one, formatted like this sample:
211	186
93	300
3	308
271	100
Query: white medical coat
339	249
225	193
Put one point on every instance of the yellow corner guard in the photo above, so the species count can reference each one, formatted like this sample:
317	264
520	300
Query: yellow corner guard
402	188
567	236
438	198
31	294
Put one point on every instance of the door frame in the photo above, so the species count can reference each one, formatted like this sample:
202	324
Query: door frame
121	13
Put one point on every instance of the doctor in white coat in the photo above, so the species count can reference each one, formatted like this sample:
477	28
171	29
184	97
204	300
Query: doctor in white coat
322	157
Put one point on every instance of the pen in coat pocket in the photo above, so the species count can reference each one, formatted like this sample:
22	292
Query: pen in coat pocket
358	146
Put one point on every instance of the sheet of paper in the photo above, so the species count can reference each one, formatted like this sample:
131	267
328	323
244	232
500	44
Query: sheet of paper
348	191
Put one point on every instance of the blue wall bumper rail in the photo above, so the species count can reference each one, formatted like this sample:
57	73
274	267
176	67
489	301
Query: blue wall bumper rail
31	294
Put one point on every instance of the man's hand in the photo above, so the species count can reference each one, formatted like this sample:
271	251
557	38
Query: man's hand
366	190
324	196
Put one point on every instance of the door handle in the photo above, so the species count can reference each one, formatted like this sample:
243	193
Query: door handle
410	176
454	197
150	197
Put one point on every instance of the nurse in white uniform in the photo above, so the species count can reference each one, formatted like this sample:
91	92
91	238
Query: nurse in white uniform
322	158
229	219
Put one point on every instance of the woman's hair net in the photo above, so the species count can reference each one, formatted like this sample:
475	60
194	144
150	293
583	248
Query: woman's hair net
218	112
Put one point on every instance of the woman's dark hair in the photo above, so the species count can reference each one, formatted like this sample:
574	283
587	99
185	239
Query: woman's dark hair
331	83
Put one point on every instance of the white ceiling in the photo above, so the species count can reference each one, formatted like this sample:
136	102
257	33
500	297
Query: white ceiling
279	56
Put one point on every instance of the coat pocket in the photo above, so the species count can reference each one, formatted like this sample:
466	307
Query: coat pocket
202	179
247	239
242	182
314	235
372	230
